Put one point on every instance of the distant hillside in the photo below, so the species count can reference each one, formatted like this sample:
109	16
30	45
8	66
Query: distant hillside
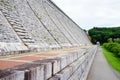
103	34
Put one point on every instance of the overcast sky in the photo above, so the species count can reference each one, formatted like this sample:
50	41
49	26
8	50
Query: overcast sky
92	13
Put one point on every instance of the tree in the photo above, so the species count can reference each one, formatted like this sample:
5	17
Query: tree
103	34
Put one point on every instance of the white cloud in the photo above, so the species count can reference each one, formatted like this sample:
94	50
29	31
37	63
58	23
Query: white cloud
90	13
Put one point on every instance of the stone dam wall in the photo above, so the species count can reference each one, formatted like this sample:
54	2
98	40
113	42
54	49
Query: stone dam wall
39	25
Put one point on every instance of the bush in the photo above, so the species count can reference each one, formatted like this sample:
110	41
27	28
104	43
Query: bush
113	47
117	40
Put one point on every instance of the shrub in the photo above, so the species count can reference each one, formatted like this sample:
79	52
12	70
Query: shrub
113	47
117	40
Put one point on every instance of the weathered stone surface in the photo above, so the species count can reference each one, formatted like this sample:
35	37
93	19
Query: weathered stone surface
28	22
78	69
9	40
39	8
11	75
39	24
32	71
7	34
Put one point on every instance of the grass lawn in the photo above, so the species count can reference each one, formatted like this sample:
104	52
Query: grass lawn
112	60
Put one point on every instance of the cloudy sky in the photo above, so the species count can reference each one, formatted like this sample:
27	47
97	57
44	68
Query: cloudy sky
92	13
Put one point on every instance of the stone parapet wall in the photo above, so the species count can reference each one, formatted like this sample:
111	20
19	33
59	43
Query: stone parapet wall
67	66
77	70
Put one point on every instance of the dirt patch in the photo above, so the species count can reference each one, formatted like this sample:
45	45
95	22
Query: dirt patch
9	64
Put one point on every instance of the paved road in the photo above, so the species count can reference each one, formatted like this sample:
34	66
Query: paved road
100	70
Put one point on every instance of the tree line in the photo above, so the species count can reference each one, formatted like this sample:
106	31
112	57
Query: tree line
104	34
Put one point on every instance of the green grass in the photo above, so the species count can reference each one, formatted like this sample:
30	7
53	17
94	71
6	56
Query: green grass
112	59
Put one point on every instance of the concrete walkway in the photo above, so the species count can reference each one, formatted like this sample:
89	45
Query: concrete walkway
100	70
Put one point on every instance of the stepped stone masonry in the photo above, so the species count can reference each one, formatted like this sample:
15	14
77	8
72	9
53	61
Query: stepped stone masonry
38	24
54	47
6	31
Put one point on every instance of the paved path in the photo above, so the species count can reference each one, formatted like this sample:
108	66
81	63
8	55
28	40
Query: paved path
100	70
